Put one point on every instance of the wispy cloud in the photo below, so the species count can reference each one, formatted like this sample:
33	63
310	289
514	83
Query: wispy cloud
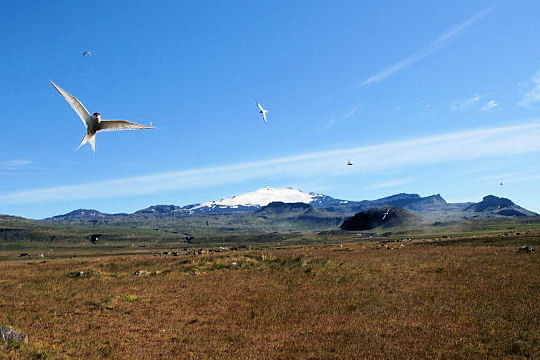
511	177
335	120
435	45
350	113
390	184
464	104
16	164
459	146
491	104
533	94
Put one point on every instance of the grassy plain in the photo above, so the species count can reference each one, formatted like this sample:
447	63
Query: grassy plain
329	296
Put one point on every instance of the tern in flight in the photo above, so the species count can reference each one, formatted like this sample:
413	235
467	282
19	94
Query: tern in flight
385	214
262	111
86	53
93	122
349	163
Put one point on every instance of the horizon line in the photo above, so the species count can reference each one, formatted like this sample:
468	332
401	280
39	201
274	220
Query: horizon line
465	145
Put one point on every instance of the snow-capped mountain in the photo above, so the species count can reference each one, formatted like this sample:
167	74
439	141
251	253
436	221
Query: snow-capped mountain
260	198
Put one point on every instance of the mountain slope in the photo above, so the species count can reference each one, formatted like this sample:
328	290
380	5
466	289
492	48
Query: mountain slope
386	216
498	206
297	216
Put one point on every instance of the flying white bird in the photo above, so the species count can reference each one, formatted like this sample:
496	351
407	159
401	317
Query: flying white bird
93	122
262	111
86	53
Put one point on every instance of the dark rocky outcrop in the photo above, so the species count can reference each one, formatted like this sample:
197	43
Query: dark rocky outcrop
278	208
383	216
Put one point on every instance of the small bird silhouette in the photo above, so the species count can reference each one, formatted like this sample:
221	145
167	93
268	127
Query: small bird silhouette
89	53
386	214
262	111
349	163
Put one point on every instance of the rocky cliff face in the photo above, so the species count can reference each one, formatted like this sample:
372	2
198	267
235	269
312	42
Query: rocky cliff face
383	216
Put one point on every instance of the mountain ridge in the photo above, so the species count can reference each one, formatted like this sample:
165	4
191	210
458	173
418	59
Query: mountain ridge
431	206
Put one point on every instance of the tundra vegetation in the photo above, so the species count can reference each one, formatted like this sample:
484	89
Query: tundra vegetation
333	295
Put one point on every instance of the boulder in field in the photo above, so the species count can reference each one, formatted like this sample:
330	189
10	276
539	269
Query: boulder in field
8	334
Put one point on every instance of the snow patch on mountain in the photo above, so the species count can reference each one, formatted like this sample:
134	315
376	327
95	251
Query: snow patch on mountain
262	197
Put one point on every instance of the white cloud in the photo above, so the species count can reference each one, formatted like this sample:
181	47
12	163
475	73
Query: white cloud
491	104
533	95
428	50
460	105
14	164
458	146
350	113
335	120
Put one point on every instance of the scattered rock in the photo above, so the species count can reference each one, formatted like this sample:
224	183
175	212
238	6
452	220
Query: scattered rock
76	274
94	238
526	249
8	334
141	273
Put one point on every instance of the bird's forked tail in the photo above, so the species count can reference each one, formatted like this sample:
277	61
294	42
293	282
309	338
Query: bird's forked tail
90	139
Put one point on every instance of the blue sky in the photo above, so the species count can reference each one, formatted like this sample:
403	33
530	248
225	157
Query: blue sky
423	98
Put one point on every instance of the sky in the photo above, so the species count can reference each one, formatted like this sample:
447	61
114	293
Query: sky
422	97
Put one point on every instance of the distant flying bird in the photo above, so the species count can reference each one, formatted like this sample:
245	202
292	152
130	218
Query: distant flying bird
501	184
93	122
86	53
349	163
386	214
262	111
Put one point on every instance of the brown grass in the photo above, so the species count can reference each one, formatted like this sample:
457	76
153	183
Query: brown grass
325	302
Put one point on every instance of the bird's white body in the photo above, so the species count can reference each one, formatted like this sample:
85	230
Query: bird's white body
262	111
93	122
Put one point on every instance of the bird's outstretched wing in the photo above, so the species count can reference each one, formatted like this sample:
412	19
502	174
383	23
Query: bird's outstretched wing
259	106
111	125
264	115
75	105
